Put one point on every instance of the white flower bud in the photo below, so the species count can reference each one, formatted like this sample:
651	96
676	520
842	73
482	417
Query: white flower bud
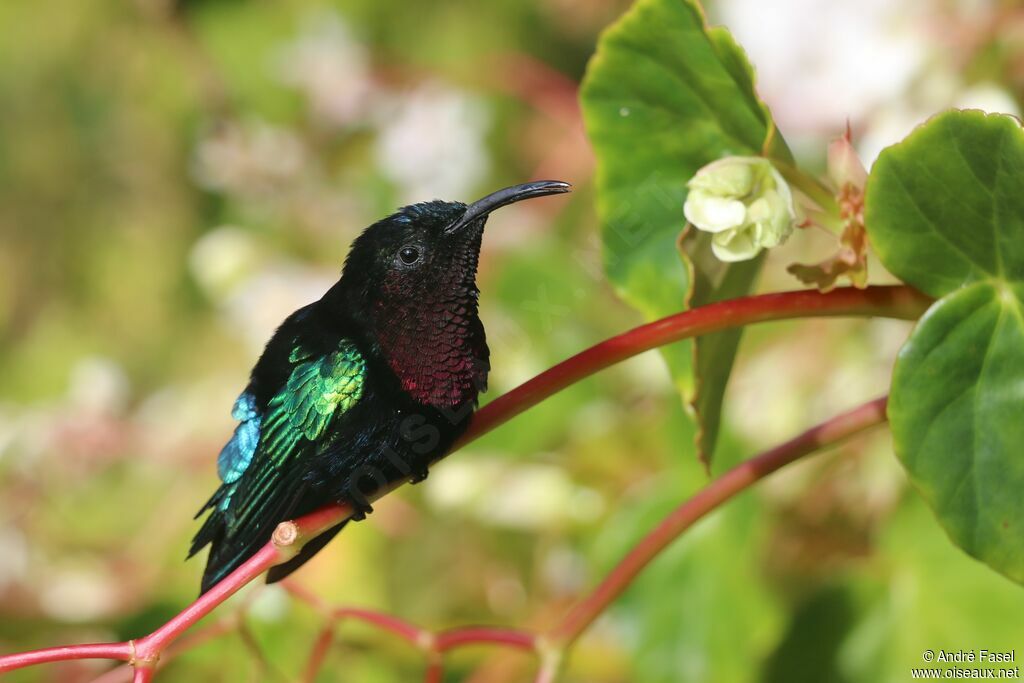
744	202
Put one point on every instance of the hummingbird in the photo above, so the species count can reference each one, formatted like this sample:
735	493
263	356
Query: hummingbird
364	387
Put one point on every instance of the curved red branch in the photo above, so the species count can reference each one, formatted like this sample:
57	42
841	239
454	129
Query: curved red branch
413	635
734	481
899	302
434	672
318	654
481	635
118	651
894	302
434	645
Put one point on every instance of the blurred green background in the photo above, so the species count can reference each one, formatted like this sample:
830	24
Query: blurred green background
175	177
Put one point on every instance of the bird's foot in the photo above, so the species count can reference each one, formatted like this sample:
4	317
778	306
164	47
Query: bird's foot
360	510
418	475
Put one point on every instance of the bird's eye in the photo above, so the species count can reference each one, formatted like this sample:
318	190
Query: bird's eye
409	255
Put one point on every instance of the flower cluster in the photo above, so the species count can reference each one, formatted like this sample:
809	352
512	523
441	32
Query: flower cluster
744	202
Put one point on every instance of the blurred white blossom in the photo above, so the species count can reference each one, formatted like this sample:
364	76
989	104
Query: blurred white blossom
98	385
222	258
938	91
262	302
270	604
517	496
506	595
431	142
254	292
79	594
330	68
987	97
205	406
248	159
14	560
820	63
882	65
565	570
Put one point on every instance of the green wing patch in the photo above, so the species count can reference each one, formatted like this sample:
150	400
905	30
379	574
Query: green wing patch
319	387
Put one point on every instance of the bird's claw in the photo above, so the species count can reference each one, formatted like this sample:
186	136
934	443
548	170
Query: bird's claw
360	510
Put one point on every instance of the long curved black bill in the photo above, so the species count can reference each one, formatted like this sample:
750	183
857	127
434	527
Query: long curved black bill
510	195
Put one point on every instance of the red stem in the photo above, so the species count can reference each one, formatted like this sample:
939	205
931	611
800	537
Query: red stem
121	651
894	302
194	639
434	672
318	654
303	594
479	635
707	499
152	645
386	622
434	645
883	301
403	629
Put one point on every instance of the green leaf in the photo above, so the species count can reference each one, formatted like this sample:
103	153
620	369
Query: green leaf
957	412
900	616
662	97
945	207
704	609
945	211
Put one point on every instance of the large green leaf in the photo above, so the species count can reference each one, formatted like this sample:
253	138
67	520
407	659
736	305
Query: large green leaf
662	97
899	613
946	206
704	609
945	212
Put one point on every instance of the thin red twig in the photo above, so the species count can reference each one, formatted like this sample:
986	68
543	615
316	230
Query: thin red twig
119	651
289	537
479	635
551	646
434	645
123	673
899	302
410	633
318	654
734	481
303	594
434	672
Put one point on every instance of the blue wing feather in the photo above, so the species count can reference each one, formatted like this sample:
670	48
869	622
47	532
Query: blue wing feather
262	466
237	453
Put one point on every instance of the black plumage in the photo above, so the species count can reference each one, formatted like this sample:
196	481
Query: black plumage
362	388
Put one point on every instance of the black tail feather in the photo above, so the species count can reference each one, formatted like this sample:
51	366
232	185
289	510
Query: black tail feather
230	546
224	556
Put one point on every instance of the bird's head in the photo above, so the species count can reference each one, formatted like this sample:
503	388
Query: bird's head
411	279
425	250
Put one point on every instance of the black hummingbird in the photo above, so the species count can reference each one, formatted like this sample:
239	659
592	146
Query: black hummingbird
363	388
